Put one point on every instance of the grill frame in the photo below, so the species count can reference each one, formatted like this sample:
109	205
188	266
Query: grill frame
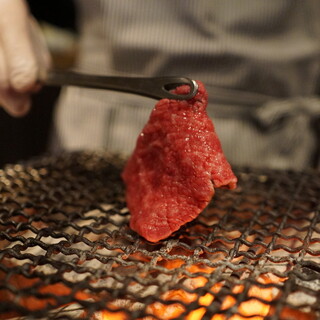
65	216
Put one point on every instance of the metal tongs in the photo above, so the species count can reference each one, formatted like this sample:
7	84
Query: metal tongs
157	88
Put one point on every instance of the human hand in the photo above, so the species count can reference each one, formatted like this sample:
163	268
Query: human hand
24	57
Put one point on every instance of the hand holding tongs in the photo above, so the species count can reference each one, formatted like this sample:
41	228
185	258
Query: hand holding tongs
157	88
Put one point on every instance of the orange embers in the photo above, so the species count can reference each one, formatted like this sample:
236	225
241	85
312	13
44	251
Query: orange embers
197	291
253	307
175	309
45	297
109	315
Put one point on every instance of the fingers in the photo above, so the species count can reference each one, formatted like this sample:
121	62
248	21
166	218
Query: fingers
24	57
4	80
22	67
40	49
16	104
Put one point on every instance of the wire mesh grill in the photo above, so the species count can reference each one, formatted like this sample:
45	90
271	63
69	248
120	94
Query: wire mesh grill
67	251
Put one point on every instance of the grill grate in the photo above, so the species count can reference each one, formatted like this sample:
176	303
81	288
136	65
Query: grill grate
67	251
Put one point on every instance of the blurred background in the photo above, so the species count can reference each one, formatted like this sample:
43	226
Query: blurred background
27	137
22	138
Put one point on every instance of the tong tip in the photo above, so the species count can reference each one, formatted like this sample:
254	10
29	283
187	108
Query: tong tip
174	82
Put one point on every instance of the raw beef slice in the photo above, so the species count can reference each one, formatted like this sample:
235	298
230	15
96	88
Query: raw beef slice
177	162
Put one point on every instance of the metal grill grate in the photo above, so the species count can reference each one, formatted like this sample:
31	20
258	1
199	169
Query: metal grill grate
67	251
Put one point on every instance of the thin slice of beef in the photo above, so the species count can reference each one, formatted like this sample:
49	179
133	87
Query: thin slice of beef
177	162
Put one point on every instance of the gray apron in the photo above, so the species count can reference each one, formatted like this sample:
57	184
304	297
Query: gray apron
259	60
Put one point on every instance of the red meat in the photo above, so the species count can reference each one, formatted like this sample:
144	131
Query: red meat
177	162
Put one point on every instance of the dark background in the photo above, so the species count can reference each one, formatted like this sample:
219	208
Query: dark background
23	138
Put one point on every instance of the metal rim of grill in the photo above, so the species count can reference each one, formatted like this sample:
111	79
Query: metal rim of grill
67	250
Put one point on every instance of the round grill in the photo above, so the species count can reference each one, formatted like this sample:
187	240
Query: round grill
67	250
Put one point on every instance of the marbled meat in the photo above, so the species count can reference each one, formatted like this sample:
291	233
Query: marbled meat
177	163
